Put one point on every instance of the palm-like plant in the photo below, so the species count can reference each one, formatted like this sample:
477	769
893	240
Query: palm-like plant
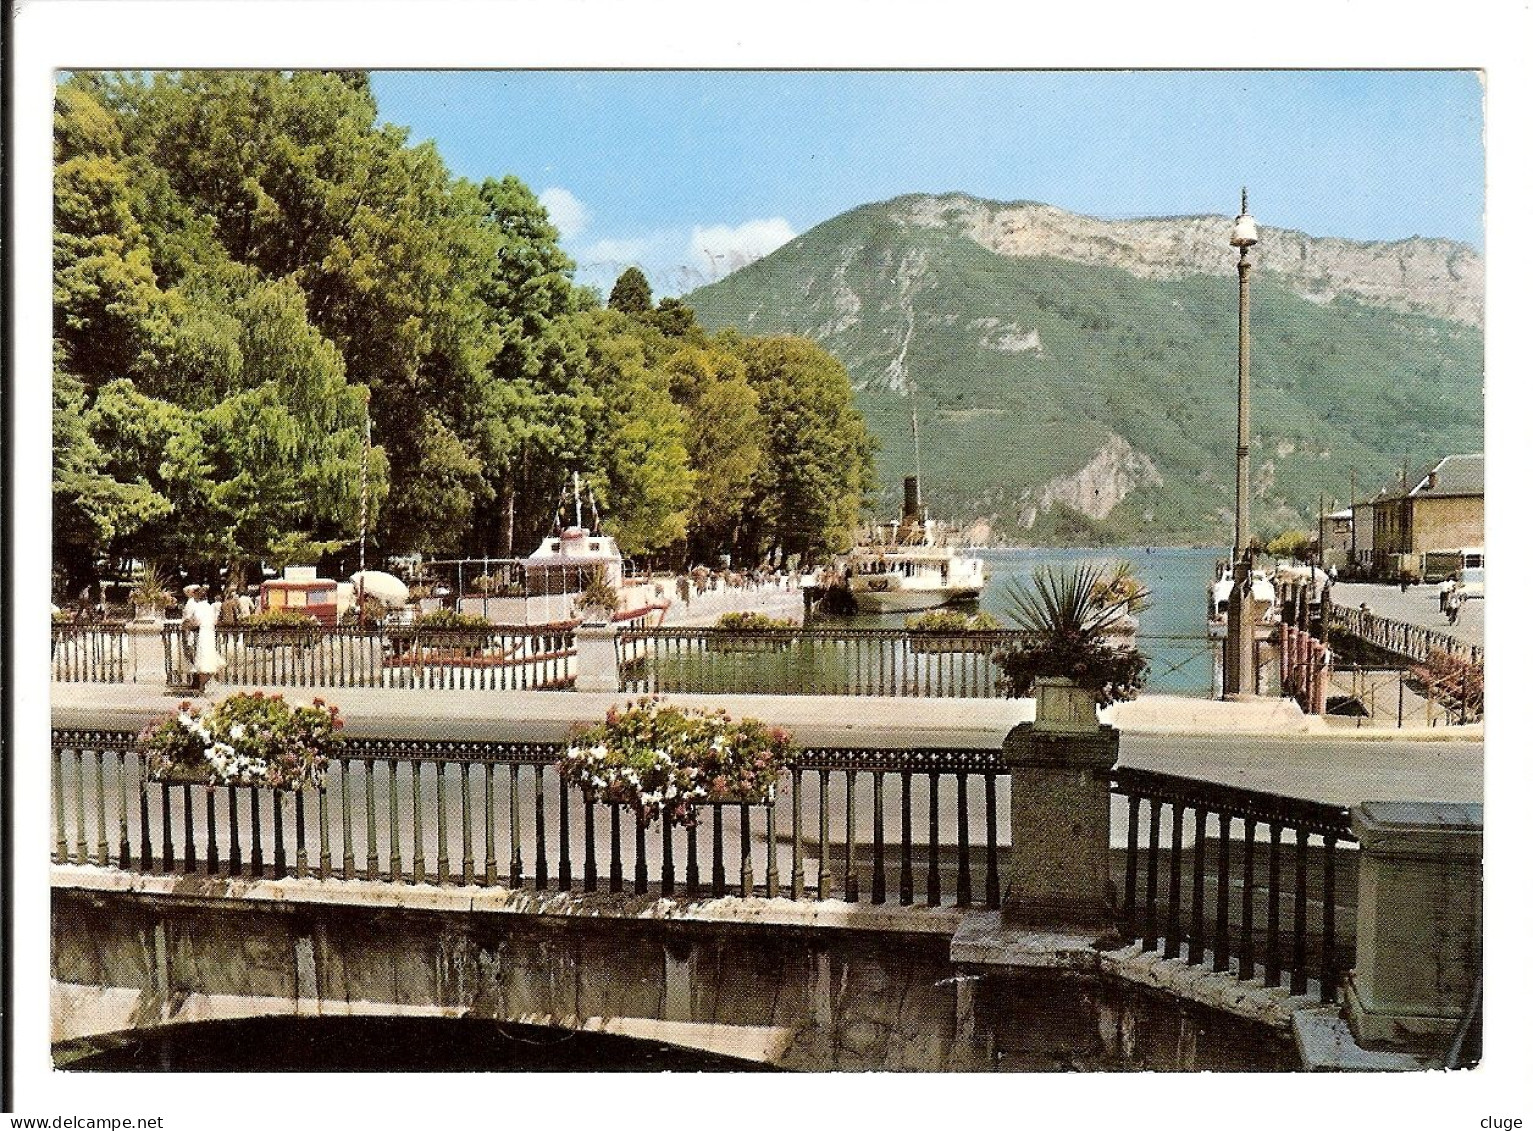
1071	612
1076	605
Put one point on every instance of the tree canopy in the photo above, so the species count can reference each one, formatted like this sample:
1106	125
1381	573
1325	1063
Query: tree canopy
252	275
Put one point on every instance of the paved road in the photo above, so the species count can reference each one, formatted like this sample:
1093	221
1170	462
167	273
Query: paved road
1417	605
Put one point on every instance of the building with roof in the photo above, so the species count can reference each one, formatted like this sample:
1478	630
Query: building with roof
1421	526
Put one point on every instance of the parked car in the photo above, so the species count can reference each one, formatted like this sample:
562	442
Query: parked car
1472	581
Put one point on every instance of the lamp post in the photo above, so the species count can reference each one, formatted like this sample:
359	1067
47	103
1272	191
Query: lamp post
1240	639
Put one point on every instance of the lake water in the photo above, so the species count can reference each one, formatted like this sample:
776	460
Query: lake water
1173	630
1172	633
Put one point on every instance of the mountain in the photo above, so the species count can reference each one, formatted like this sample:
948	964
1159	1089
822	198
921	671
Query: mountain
1075	377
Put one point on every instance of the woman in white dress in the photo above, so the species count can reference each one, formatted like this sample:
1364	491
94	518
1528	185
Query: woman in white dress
199	629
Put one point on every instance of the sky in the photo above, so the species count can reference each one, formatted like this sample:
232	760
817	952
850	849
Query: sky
691	174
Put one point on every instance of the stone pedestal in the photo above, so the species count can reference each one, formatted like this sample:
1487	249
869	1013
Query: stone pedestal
1060	816
1418	921
596	658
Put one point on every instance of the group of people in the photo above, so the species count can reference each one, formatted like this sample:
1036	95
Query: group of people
1450	599
200	619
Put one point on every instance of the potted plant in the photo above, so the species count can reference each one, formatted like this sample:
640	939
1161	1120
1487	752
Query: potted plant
599	601
447	632
664	761
749	632
950	630
1070	664
245	739
150	595
277	628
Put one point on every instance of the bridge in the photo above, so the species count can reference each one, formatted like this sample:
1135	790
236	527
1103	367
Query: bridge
936	886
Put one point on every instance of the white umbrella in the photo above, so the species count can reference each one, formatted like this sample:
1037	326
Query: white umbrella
382	586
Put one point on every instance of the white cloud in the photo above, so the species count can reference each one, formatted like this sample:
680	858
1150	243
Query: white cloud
565	210
720	249
623	252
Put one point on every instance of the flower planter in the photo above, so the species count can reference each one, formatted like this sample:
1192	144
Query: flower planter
921	644
279	637
747	643
1064	706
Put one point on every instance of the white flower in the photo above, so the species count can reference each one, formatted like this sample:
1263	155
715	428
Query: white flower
237	731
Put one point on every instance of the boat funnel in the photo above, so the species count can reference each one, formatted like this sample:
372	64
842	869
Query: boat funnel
912	512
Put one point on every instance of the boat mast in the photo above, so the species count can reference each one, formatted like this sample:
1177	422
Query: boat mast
915	435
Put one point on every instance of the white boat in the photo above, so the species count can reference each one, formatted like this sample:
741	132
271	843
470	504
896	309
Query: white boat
908	565
1263	595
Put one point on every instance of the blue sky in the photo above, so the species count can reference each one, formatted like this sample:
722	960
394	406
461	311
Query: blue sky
691	174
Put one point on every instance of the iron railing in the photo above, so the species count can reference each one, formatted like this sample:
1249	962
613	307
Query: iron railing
498	813
1413	641
1153	908
814	661
477	659
95	652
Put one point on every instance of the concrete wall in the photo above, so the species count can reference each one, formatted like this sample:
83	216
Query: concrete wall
818	987
1447	523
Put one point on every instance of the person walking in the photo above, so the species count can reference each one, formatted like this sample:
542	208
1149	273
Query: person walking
1442	594
199	635
1455	603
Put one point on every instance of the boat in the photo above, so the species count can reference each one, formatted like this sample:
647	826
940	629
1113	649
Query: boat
909	565
1263	595
564	566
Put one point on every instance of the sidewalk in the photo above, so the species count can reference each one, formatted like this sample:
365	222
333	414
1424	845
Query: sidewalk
547	716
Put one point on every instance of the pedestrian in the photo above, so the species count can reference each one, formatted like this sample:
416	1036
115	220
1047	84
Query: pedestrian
247	603
1455	603
1443	590
199	636
229	609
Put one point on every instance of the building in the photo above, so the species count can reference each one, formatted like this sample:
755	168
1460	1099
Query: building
1336	539
1420	528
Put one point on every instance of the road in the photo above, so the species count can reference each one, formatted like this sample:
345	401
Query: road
1417	605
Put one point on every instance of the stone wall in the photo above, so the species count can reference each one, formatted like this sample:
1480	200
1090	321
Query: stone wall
822	987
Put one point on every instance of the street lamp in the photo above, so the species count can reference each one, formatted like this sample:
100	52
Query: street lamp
1240	637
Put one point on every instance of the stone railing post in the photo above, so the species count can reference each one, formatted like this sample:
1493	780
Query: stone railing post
1418	921
1060	813
596	658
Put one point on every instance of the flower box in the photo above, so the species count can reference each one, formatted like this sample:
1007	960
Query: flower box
246	739
665	761
922	643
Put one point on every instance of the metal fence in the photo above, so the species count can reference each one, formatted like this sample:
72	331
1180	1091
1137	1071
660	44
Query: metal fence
477	659
494	813
92	652
1277	904
1412	641
1395	697
814	661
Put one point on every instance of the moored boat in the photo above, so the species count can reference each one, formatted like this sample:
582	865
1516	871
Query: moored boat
909	565
1263	596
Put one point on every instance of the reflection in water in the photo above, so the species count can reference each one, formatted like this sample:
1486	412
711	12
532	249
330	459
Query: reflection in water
390	1044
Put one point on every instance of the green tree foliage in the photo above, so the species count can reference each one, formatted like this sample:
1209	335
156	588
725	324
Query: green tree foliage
818	452
630	294
1291	544
249	270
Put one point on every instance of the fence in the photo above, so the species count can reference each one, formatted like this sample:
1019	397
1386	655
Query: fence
813	661
98	653
1412	641
1395	697
477	659
1153	911
493	813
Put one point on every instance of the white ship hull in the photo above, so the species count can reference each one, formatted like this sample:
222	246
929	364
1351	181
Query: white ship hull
897	599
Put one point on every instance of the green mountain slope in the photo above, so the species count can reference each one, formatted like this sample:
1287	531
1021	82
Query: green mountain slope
1071	400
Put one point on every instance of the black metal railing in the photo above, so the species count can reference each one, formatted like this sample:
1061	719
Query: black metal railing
1257	898
1413	641
476	659
95	652
916	826
814	661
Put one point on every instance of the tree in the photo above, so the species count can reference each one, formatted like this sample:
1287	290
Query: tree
1290	544
818	453
630	294
724	443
